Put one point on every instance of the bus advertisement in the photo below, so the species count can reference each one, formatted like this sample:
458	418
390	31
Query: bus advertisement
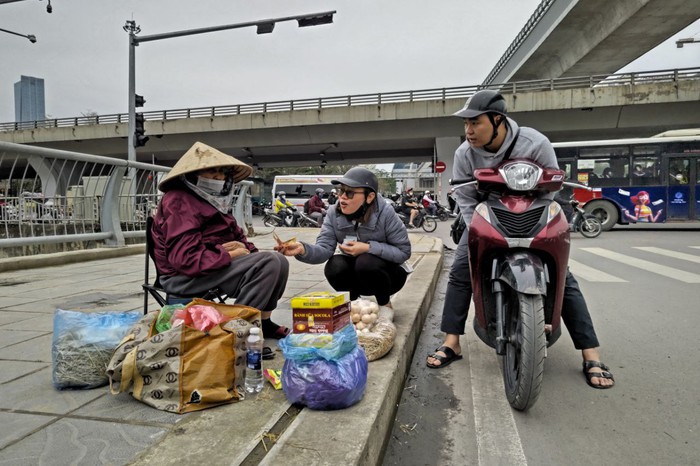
644	180
299	188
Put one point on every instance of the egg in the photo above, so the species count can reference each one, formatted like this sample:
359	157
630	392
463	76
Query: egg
374	308
367	318
359	326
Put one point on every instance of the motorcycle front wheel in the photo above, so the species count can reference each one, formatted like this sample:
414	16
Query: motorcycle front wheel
443	216
429	224
590	226
523	363
269	221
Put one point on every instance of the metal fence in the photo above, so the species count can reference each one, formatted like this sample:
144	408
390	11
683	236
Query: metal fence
576	82
50	196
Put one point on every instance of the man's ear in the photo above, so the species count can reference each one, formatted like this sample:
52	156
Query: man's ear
370	197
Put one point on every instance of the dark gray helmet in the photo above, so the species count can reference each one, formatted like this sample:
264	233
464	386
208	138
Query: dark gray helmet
486	101
359	177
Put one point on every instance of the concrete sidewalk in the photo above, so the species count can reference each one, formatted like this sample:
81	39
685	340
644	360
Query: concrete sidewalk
40	425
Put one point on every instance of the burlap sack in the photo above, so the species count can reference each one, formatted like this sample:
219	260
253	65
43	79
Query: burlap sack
183	369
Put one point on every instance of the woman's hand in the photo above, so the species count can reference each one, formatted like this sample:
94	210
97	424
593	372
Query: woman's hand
233	245
354	248
290	248
238	252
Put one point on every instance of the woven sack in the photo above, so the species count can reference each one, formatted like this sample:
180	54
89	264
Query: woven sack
183	369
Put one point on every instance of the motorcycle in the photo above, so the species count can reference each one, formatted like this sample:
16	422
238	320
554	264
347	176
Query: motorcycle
442	213
587	224
518	252
288	217
422	220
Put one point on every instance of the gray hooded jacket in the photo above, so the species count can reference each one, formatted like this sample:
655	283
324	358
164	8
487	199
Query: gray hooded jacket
531	145
384	232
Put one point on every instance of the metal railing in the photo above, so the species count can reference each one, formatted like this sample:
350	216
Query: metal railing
592	81
50	196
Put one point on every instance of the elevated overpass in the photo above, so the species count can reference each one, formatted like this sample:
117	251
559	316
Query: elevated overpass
388	127
565	38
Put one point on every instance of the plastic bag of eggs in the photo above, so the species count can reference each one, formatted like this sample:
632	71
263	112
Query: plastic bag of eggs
363	314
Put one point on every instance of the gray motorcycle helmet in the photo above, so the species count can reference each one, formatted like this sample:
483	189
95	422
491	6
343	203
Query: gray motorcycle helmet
359	177
486	101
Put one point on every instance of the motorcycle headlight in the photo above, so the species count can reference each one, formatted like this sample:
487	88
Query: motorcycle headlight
521	176
482	210
553	211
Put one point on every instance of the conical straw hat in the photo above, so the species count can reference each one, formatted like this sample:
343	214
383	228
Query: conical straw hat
201	156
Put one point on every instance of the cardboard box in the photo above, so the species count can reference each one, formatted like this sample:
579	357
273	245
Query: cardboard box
318	300
320	312
305	320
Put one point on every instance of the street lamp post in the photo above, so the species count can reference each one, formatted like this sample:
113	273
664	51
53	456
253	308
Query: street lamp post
31	37
263	27
688	40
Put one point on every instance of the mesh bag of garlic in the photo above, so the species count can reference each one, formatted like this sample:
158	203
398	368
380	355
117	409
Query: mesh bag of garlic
375	334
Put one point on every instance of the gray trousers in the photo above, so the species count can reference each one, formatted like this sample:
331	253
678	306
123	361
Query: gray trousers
256	280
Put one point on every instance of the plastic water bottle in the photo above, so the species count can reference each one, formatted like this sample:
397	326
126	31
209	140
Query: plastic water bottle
254	370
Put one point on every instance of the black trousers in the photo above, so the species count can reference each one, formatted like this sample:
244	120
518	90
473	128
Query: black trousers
366	275
458	296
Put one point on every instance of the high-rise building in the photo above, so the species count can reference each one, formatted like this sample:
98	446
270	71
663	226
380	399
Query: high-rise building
29	99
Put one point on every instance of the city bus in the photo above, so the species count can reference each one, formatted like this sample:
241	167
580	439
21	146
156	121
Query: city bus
300	188
641	180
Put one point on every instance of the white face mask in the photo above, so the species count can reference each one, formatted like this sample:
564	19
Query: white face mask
210	185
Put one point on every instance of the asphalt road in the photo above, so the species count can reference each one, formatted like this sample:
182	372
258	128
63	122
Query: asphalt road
643	291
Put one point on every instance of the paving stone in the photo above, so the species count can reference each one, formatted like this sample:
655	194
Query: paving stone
35	393
82	442
125	408
11	337
37	350
10	370
15	426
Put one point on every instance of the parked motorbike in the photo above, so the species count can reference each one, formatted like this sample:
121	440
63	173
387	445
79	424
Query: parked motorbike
587	224
422	220
518	252
443	213
288	218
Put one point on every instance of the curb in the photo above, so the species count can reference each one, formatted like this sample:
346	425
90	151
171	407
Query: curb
70	257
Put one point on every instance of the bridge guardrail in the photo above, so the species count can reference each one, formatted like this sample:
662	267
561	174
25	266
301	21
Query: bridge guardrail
50	196
593	81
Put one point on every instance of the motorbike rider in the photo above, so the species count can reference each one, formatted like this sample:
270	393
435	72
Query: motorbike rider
429	204
332	197
317	208
285	208
409	206
373	243
489	134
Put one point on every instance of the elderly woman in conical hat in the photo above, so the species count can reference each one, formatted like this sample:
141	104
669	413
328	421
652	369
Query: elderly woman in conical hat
199	246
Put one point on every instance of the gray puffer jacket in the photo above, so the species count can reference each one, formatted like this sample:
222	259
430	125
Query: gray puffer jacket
384	232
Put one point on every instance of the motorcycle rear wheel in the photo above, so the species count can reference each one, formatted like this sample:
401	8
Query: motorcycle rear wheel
590	226
523	363
429	224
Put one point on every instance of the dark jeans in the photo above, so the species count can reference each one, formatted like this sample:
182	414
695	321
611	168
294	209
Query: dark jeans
366	275
574	311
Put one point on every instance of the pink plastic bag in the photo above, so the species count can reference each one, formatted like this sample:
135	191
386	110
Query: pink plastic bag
203	318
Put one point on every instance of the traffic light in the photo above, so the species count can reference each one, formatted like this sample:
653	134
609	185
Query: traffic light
140	139
139	100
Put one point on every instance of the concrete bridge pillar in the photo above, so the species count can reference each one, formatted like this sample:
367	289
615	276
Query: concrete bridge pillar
445	149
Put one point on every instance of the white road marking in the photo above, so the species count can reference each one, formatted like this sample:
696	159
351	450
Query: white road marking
592	275
669	253
647	266
497	436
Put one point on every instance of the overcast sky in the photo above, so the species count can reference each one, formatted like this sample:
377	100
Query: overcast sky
373	46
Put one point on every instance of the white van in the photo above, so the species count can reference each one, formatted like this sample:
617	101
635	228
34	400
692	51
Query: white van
300	188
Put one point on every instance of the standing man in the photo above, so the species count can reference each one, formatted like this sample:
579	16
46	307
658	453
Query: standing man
489	135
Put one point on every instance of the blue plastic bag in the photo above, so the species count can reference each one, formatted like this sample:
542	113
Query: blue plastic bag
83	344
324	370
309	346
